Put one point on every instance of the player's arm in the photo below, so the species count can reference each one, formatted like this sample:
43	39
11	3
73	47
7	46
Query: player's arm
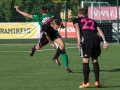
23	13
49	39
76	26
100	32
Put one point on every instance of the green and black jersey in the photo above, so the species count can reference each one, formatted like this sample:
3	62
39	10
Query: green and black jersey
41	18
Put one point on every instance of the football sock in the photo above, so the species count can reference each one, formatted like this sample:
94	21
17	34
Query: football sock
86	71
33	49
65	59
58	52
96	71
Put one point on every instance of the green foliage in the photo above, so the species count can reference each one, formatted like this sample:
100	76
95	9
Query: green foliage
8	13
74	5
5	10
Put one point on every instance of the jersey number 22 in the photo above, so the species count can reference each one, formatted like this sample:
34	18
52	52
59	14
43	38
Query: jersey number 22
88	24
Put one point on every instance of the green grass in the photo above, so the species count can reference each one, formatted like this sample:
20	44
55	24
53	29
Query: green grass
19	71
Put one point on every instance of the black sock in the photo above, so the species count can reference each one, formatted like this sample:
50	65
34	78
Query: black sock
63	51
58	52
96	71
86	71
33	49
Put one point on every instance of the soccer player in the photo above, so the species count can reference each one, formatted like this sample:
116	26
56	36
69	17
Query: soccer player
49	29
88	32
42	18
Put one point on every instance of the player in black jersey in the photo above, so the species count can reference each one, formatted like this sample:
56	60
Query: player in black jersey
49	29
88	32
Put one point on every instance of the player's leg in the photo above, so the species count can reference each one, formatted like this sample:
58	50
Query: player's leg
35	47
96	52
85	52
86	71
59	47
65	61
56	60
64	56
96	71
61	50
42	42
38	47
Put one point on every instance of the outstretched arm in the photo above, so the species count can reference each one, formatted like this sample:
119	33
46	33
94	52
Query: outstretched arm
23	13
105	44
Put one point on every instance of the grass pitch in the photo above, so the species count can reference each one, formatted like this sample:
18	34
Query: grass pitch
19	71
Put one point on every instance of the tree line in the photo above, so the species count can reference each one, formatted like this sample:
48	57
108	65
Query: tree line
8	13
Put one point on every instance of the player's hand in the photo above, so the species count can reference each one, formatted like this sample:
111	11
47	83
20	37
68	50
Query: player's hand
78	45
53	45
16	7
105	45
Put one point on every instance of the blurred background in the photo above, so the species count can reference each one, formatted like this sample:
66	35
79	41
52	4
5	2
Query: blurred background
105	12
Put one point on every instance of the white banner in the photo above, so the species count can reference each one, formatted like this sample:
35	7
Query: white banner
103	13
19	30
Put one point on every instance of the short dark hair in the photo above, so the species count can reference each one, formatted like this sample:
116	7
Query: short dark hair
56	22
82	11
43	9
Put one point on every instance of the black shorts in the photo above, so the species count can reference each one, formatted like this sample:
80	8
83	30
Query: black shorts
43	40
54	35
90	48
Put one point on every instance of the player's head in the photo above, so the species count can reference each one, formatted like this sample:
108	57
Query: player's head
43	10
82	12
56	23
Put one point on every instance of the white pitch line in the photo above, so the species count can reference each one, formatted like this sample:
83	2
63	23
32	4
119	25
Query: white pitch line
38	50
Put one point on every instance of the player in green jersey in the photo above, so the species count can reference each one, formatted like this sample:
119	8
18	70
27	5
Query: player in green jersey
41	18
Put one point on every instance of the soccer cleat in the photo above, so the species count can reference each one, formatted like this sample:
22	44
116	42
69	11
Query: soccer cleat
68	70
84	85
56	61
32	53
97	84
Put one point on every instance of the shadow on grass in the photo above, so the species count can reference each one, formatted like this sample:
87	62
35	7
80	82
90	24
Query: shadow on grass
114	70
77	71
107	86
110	86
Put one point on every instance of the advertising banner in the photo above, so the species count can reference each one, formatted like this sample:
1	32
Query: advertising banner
31	30
103	13
68	31
19	30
